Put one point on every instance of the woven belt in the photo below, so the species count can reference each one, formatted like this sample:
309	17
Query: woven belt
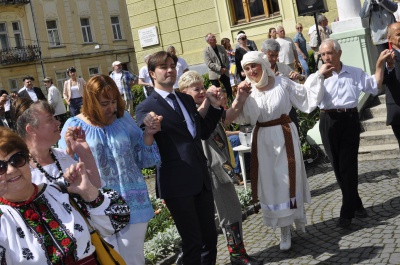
284	121
340	110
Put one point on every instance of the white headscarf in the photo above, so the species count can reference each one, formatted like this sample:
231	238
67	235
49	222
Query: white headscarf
258	58
239	36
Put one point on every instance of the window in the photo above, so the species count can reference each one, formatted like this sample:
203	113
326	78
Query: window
61	77
52	32
19	42
116	28
13	85
94	71
4	36
249	10
86	31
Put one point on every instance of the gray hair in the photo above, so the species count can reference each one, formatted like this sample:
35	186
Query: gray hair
279	27
207	36
170	47
270	45
31	116
332	42
320	18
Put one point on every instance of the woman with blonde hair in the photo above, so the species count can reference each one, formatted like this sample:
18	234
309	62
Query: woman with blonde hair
301	47
121	149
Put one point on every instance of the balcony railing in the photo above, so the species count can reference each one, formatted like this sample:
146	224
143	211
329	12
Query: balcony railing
14	2
18	55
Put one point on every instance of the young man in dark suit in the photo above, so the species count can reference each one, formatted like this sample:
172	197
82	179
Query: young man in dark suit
29	91
183	180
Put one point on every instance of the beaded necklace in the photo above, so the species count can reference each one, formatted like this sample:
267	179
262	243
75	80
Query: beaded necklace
19	204
47	175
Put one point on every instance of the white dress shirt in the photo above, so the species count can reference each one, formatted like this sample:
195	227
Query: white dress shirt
343	89
190	124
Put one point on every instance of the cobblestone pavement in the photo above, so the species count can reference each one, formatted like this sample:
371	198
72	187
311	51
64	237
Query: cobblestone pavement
374	240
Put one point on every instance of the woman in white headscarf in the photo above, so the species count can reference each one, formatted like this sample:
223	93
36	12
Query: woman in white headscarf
277	171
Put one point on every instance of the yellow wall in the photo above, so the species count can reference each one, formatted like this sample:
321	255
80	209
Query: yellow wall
73	51
184	24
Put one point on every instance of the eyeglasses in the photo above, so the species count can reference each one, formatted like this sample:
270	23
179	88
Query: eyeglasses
16	160
243	38
299	28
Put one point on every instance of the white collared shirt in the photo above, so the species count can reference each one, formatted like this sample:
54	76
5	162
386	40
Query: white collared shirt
31	93
190	124
343	89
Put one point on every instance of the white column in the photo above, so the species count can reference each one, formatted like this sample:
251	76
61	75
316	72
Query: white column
349	19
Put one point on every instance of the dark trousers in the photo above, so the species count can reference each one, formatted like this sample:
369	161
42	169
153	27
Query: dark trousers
340	133
194	219
75	105
396	131
226	82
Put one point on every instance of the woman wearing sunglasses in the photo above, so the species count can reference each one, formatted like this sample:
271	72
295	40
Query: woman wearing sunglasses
38	223
39	128
73	91
240	51
301	47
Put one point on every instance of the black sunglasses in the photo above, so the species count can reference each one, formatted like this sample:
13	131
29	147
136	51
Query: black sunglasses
243	38
16	160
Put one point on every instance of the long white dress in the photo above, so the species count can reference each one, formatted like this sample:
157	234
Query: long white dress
273	176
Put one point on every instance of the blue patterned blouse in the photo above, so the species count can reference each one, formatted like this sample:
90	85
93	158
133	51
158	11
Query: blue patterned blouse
120	154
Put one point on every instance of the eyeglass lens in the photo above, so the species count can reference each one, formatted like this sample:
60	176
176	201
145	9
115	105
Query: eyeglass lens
16	160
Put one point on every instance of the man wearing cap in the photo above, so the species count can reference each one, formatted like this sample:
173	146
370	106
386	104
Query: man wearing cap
217	61
124	81
29	91
54	98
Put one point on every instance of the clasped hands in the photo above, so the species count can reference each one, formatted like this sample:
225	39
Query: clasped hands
152	122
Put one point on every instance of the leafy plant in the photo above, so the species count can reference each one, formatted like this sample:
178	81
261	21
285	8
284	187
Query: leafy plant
244	197
306	122
162	219
138	96
148	171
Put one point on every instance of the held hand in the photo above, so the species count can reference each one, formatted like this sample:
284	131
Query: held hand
243	92
214	95
153	123
326	70
294	75
78	179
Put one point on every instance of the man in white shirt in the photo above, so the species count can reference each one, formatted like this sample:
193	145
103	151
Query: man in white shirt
340	123
29	91
288	52
181	66
54	98
144	78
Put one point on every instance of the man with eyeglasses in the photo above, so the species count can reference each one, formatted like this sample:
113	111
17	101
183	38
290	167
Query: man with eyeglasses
288	53
217	61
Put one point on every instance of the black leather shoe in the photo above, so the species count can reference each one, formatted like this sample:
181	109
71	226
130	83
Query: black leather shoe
344	222
361	213
245	260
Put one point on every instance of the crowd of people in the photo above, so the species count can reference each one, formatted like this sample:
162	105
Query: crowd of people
95	156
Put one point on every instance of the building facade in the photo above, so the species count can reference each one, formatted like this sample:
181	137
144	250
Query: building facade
184	23
45	37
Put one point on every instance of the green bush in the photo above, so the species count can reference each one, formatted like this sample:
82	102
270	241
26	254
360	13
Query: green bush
148	171
306	122
244	197
162	219
138	96
311	62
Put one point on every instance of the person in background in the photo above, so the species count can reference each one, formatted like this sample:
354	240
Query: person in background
38	223
217	61
250	43
278	176
29	91
288	53
380	14
301	47
56	101
272	33
5	113
240	51
231	56
217	150
340	123
73	91
181	65
324	32
121	149
124	81
144	78
397	13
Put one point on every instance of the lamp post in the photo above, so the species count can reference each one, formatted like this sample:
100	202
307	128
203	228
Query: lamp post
37	38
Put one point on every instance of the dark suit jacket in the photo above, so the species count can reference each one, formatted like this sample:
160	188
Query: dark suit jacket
392	81
37	90
183	170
